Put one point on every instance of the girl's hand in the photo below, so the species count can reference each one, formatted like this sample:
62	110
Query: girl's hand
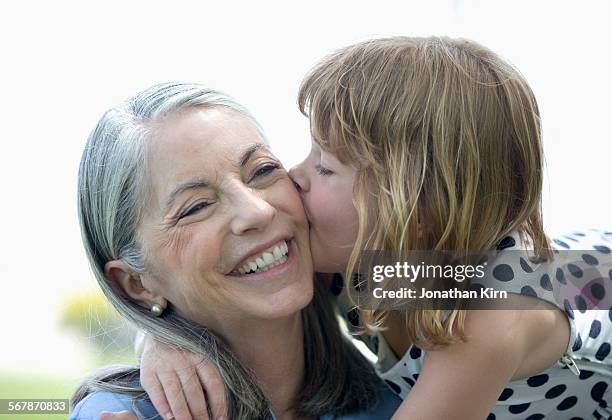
181	384
122	415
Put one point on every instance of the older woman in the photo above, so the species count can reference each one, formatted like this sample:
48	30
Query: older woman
197	235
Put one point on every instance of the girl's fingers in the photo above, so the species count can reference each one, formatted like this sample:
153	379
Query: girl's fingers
192	389
154	389
173	389
121	415
215	390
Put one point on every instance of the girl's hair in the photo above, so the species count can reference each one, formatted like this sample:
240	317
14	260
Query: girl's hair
449	133
111	196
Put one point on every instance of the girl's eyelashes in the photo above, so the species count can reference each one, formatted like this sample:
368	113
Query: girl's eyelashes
323	171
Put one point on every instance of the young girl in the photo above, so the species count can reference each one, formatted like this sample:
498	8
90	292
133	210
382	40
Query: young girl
435	144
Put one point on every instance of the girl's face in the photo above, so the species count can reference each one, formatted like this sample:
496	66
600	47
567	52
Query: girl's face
326	188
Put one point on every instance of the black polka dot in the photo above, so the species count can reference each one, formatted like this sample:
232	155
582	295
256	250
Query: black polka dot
598	291
560	275
477	287
610	314
528	290
586	374
598	391
602	248
353	317
603	351
567	403
610	274
395	387
491	416
537	380
507	242
574	270
545	283
576	418
415	376
568	309
506	393
561	243
581	304
503	272
595	329
597	415
577	233
415	352
518	408
589	259
570	238
535	417
408	381
555	391
526	267
577	343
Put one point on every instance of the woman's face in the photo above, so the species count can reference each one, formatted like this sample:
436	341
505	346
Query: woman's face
221	206
326	188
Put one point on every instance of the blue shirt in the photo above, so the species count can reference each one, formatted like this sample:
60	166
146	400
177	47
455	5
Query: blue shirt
90	407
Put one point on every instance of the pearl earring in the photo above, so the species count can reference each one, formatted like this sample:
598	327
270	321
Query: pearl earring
156	309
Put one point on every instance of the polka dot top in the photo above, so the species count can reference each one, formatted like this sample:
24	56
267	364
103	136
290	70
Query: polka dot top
579	386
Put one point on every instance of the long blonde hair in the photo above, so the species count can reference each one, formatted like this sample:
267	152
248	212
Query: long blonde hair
450	136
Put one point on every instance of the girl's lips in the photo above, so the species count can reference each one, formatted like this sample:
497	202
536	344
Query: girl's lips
274	271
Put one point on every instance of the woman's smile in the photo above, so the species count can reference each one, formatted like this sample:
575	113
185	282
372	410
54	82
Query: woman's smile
269	264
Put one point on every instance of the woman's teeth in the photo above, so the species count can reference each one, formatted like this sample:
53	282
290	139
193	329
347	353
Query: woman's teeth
266	260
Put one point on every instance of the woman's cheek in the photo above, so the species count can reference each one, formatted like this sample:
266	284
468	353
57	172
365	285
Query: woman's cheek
333	229
297	205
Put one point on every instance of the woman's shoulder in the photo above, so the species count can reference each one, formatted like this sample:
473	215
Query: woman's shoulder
90	407
387	405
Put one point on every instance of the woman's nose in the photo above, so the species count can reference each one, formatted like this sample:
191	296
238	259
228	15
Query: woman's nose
300	180
253	212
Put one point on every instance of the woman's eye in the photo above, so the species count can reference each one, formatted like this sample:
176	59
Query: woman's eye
265	170
323	171
195	209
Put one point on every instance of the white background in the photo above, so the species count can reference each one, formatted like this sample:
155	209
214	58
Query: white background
63	63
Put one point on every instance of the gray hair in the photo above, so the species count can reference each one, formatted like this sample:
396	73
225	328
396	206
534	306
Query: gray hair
111	196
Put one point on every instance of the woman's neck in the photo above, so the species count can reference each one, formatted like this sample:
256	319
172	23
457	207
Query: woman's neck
274	351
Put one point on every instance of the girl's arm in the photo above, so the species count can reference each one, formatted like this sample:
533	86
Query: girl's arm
464	380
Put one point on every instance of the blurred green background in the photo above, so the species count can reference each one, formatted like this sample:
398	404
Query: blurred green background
91	323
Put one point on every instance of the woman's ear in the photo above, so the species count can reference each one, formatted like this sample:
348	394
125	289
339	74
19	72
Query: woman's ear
129	283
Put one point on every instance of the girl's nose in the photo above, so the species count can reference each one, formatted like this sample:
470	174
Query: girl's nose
299	178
